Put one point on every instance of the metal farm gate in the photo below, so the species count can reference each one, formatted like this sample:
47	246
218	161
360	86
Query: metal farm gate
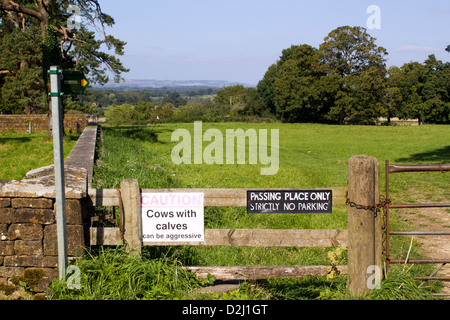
393	168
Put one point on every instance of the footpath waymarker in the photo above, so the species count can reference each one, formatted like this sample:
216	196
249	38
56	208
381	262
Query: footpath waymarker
289	201
62	82
58	155
172	217
73	82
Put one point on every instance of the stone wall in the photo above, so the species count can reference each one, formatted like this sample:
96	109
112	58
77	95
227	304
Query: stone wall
39	122
28	236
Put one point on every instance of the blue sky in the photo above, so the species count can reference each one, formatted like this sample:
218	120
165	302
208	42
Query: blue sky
238	40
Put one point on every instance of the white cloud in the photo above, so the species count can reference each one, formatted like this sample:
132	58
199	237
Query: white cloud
415	48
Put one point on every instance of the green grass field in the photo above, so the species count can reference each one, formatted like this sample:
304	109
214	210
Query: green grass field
22	152
311	156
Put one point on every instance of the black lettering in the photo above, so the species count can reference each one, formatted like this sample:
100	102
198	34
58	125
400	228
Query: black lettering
171	226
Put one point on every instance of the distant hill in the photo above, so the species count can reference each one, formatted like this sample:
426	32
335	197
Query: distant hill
142	84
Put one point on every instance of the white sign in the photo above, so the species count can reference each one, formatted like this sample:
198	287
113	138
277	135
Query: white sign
172	217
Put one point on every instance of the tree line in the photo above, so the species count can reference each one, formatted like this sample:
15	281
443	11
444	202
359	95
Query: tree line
344	81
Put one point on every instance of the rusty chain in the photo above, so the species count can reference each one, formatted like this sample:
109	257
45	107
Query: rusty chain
376	208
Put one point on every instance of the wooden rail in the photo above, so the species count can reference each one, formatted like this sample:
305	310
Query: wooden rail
235	237
227	237
241	238
264	272
213	197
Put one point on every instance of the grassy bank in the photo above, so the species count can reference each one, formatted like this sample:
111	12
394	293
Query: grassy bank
22	152
311	155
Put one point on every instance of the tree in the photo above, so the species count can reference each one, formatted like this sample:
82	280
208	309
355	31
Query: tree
358	64
266	90
35	35
424	90
392	97
297	98
410	80
123	114
22	84
78	47
174	98
292	89
350	51
232	96
436	91
253	103
359	98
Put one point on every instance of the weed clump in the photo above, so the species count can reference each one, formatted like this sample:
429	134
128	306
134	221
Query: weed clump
113	274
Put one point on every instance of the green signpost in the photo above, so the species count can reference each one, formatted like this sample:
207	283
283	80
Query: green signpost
73	82
62	82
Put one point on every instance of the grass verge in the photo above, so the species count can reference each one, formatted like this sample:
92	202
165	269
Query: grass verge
22	152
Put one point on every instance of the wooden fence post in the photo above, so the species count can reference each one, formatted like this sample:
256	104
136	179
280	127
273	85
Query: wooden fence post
131	200
364	231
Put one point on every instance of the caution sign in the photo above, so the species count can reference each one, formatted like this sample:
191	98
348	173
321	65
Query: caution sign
172	217
289	201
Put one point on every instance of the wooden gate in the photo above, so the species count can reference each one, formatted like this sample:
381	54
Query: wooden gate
362	236
224	237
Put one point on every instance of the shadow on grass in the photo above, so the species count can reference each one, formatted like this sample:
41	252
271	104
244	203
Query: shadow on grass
184	254
10	140
308	288
71	137
441	155
133	132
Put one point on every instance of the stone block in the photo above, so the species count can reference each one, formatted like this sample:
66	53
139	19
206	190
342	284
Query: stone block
48	275
25	231
6	248
3	231
50	240
7	215
8	272
5	202
41	216
37	203
27	248
37	261
75	240
74	212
